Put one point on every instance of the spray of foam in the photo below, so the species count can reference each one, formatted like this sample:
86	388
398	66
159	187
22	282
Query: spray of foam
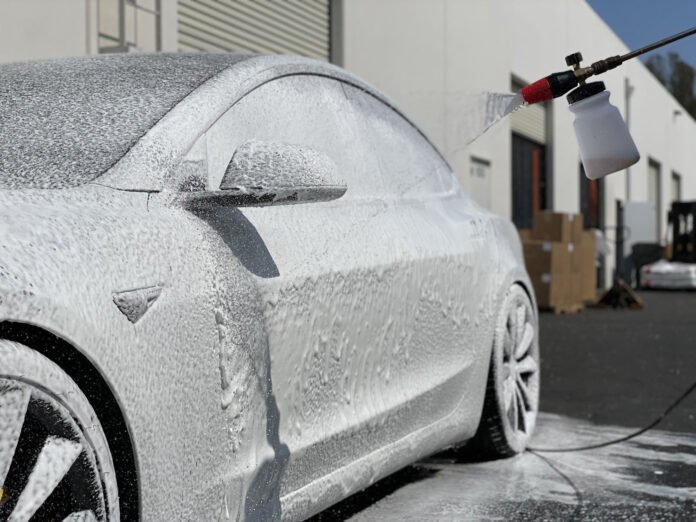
484	110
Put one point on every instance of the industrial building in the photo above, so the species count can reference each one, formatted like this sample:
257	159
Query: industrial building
430	57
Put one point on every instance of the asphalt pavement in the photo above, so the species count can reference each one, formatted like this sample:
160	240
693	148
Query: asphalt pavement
605	373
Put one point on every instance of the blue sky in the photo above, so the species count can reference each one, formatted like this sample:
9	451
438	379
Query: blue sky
640	22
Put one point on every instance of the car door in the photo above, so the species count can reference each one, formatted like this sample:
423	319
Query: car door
441	313
325	281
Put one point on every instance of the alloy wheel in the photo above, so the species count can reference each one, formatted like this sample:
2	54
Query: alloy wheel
520	369
48	467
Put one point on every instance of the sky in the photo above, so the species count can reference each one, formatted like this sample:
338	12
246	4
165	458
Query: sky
640	22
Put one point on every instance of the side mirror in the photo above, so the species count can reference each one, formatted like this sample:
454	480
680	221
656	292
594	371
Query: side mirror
268	173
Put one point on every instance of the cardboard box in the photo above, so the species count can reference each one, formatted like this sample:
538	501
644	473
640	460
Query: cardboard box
547	257
584	266
553	290
525	234
557	226
583	257
576	285
588	285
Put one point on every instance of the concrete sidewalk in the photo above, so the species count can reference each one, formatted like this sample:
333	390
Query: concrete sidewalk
649	479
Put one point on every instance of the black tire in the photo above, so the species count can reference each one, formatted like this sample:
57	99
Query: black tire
512	392
55	462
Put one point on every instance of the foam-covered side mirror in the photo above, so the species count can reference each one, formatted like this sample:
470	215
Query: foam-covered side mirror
269	173
263	173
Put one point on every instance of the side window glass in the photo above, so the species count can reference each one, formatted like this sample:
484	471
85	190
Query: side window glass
302	110
409	164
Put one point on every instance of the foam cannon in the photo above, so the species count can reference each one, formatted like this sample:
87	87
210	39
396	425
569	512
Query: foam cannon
605	143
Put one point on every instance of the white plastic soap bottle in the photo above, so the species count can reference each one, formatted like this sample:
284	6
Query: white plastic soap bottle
605	144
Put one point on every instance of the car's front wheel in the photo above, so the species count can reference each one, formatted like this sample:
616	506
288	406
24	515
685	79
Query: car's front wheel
512	393
55	462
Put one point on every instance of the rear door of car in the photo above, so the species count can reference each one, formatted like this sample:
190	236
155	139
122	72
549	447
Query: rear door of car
441	265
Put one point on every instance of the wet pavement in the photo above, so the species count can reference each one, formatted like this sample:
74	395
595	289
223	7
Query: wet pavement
605	373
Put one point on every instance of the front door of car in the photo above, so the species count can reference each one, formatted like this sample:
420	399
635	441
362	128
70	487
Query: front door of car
326	282
348	286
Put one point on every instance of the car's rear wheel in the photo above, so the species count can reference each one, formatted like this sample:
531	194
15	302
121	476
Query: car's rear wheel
512	393
55	462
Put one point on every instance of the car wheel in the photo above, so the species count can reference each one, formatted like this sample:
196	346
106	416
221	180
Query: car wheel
512	393
55	462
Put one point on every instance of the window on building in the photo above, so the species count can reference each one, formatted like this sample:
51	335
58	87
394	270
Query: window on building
676	187
480	181
127	25
655	193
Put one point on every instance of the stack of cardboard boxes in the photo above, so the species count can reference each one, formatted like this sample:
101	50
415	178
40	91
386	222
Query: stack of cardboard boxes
560	259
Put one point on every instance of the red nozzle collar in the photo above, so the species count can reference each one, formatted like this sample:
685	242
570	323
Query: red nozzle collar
539	91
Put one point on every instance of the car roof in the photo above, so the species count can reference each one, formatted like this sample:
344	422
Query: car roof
127	119
65	122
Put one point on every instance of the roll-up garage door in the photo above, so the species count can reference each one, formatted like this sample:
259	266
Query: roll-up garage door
265	26
530	121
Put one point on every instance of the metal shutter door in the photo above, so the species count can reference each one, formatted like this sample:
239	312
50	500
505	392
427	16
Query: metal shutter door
265	26
529	121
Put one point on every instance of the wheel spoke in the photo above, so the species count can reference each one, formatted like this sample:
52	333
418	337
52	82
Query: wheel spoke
13	408
514	411
519	323
521	412
524	392
527	365
55	460
525	343
508	346
507	393
82	516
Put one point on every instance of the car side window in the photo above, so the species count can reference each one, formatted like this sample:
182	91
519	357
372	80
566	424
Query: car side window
303	110
409	163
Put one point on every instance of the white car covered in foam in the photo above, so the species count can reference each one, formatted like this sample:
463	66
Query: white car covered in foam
239	287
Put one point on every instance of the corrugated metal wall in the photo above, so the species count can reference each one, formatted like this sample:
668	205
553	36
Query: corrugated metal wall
529	122
270	26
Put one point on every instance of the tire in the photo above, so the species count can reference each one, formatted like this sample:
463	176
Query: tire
512	392
55	462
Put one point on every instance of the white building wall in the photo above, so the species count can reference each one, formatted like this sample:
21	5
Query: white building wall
430	56
42	29
45	29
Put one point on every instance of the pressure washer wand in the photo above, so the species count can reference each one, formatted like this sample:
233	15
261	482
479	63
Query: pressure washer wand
560	83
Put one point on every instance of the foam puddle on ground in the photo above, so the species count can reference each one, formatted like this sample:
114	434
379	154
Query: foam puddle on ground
484	110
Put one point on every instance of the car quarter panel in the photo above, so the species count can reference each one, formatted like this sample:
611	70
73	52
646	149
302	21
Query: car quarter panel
63	257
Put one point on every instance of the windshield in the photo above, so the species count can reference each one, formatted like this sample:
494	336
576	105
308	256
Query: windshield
65	122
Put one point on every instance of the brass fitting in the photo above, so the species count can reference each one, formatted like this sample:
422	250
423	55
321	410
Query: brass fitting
607	64
583	73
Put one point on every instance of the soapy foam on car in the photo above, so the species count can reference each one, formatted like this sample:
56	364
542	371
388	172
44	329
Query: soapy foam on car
218	353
